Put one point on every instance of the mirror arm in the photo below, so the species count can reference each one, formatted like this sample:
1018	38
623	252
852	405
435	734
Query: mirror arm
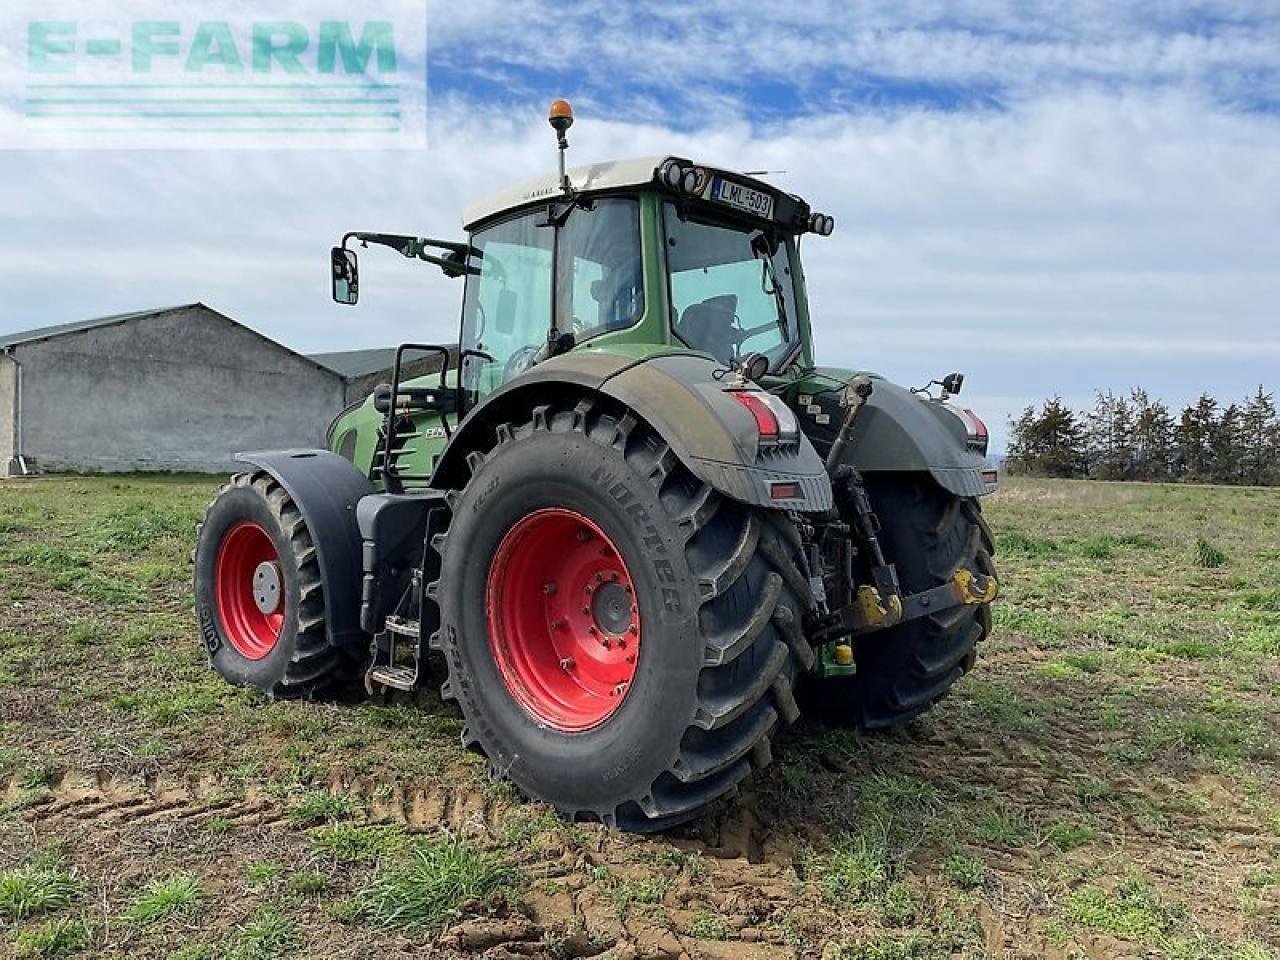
416	247
405	245
451	268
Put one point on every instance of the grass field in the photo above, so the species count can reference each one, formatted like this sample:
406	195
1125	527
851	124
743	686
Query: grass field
1106	784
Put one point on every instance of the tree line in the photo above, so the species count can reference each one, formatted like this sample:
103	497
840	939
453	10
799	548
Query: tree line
1137	437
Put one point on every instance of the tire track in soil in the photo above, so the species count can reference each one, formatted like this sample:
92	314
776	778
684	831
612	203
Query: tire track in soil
102	796
735	846
90	797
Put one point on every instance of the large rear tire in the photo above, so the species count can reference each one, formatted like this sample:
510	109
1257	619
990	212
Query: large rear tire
927	533
713	632
259	598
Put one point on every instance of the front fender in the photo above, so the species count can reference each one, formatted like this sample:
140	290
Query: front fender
326	488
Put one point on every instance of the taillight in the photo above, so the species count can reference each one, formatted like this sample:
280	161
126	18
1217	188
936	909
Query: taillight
766	422
775	422
976	429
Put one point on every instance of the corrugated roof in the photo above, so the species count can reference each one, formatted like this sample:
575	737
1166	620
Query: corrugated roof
357	363
77	326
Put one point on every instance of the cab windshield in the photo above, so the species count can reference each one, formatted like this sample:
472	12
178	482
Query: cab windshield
732	288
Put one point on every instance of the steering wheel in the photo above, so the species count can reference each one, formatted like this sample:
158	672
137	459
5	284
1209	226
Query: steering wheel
519	362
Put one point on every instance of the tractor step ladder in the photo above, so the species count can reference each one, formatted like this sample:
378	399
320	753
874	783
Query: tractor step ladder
401	639
397	656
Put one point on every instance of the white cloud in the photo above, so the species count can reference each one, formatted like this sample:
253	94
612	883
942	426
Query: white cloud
1021	49
1084	238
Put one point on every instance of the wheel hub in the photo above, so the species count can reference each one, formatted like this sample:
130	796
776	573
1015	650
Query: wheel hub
611	609
249	590
564	627
266	587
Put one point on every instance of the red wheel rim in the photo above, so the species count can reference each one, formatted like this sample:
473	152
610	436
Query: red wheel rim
564	626
250	590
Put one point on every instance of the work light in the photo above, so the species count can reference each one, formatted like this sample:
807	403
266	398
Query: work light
670	174
822	224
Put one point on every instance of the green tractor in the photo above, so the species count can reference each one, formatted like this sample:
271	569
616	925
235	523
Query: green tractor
640	527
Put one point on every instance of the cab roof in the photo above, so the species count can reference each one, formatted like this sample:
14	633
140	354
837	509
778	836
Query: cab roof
593	178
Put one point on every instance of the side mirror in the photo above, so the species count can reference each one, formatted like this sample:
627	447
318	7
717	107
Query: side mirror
346	276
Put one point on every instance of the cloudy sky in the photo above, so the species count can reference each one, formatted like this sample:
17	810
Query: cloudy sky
1053	197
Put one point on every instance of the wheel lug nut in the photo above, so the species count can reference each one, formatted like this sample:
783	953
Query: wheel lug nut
559	623
586	610
599	578
548	588
633	629
567	663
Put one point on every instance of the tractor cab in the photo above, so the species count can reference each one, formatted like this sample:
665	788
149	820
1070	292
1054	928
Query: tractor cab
636	256
655	251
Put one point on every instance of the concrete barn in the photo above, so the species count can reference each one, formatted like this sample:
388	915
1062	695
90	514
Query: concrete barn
182	388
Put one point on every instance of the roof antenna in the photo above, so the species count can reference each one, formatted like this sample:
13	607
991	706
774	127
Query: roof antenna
561	119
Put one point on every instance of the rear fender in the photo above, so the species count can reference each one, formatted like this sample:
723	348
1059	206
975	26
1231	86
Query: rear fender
326	489
568	375
680	397
897	431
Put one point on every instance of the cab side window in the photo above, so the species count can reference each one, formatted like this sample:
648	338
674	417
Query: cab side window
599	280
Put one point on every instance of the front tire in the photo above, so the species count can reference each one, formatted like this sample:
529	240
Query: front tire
259	598
718	600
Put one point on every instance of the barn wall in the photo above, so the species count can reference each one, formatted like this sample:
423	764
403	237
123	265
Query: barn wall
178	391
8	426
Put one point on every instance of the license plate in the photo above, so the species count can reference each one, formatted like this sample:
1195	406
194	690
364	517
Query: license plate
740	197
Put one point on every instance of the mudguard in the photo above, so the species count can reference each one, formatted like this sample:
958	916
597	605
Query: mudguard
326	488
715	437
898	431
679	395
